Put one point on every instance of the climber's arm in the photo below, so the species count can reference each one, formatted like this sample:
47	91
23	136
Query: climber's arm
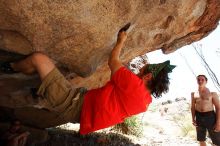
114	61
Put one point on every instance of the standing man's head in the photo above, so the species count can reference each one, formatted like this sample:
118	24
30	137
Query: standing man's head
201	80
156	77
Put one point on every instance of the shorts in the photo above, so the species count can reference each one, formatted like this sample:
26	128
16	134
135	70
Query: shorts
205	122
58	95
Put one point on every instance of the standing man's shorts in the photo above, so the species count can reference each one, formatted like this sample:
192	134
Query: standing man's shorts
205	122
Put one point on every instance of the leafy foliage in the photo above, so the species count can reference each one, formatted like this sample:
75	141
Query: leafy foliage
131	126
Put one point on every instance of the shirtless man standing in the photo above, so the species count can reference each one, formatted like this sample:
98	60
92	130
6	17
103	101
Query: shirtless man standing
205	109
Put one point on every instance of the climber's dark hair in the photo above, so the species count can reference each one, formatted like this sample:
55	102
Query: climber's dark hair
159	84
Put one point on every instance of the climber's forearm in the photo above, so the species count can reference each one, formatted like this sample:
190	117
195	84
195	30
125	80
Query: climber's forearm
115	54
114	61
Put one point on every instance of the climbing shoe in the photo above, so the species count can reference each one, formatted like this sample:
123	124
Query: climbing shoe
5	67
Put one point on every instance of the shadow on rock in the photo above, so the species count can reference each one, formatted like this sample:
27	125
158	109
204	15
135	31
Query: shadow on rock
58	137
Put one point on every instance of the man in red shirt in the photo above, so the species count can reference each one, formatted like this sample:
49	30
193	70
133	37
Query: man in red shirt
126	94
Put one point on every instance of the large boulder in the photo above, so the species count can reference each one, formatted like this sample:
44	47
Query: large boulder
79	34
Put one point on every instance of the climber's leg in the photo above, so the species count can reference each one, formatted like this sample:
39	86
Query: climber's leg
23	96
36	62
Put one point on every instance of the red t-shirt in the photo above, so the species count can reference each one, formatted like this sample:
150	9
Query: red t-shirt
124	95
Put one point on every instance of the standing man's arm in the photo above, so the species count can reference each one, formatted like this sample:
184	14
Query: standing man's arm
193	109
114	61
215	101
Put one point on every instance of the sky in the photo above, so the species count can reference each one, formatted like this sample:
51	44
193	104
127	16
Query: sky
183	80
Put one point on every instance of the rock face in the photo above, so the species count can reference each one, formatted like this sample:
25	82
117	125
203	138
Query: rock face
79	35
